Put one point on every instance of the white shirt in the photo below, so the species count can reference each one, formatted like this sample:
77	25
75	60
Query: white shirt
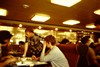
55	57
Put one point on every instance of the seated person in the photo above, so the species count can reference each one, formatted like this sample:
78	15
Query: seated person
53	55
64	41
5	37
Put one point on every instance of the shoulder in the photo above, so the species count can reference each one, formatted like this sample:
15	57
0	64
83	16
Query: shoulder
91	51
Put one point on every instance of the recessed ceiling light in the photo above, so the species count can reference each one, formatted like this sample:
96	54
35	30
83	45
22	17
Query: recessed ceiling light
20	25
71	22
90	25
3	12
97	12
67	3
40	17
25	6
56	29
39	27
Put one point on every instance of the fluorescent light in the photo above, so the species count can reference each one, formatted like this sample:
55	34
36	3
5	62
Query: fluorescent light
71	22
3	12
67	3
97	12
90	25
40	17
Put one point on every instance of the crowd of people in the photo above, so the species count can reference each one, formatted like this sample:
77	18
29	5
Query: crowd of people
48	51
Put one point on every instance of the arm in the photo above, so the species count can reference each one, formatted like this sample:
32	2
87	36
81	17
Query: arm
43	51
25	49
7	61
44	56
93	57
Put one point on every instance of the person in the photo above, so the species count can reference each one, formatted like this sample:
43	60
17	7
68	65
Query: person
5	59
21	42
64	41
97	47
53	55
97	24
87	54
33	46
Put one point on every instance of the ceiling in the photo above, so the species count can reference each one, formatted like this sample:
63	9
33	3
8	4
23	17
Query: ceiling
19	13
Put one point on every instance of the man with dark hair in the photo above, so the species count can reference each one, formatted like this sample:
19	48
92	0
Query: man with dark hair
97	24
64	41
5	37
88	57
33	46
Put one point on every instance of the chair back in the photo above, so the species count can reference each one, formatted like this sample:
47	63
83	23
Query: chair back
71	53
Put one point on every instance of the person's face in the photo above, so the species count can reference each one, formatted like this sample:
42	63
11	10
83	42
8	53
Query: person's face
48	44
89	41
98	40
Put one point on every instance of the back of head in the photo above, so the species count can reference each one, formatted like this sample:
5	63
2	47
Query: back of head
29	30
21	42
4	35
85	39
50	39
64	41
97	22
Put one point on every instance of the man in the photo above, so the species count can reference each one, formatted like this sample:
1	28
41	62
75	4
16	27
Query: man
5	37
87	54
97	24
33	46
53	55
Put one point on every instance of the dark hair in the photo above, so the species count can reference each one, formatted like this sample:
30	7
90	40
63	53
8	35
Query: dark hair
4	35
64	41
21	42
85	39
97	22
29	30
51	39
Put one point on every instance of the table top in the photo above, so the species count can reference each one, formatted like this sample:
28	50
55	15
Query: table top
27	61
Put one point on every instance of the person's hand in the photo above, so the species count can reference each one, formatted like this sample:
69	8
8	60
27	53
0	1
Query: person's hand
23	55
35	58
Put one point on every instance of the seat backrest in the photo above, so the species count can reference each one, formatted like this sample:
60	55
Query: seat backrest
71	53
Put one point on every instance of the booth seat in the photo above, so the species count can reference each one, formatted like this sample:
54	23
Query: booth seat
71	53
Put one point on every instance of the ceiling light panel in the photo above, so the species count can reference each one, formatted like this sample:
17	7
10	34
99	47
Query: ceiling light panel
90	26
41	17
3	12
97	12
67	3
71	22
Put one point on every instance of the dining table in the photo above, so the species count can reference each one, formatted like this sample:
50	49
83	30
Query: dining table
28	62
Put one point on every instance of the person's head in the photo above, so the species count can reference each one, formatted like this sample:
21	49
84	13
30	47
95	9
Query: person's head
21	42
98	40
50	40
86	40
97	24
5	37
64	41
29	32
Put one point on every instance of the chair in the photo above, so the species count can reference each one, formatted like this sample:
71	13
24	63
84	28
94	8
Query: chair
71	53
